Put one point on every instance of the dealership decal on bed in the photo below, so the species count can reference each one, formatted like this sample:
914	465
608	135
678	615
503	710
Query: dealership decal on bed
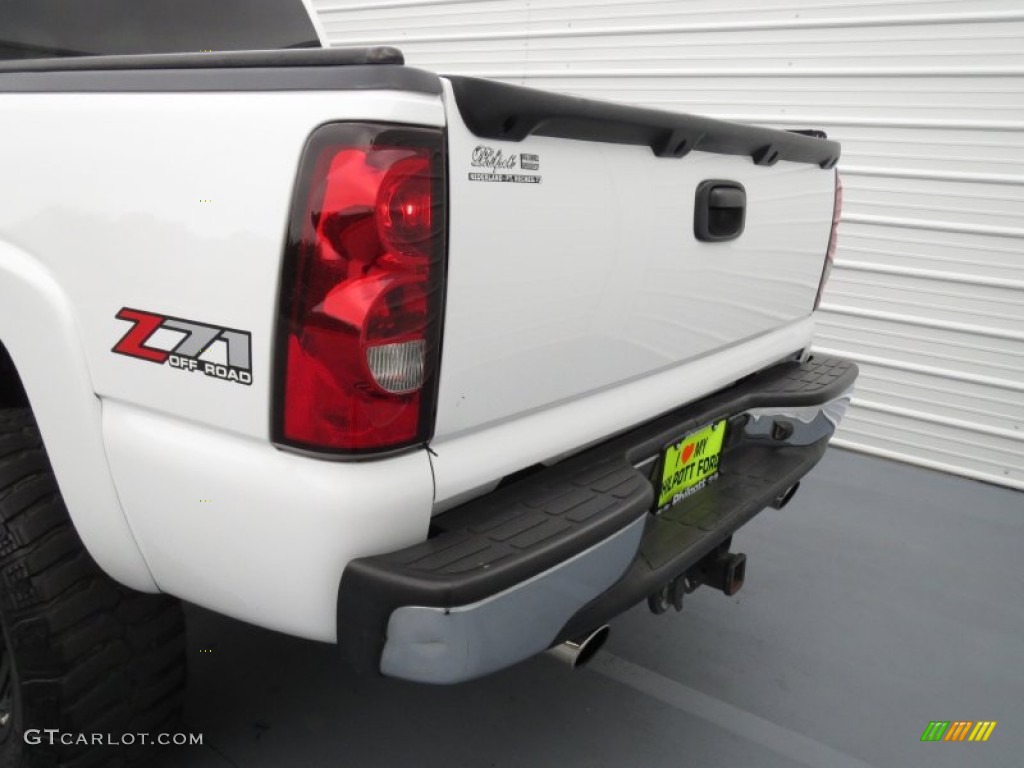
502	167
223	353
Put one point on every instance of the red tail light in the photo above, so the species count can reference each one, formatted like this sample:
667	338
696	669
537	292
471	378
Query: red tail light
361	291
833	240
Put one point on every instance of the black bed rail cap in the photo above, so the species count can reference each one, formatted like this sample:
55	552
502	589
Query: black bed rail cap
499	111
300	57
333	69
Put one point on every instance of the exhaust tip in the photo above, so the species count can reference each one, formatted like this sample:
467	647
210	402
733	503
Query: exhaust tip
785	497
578	652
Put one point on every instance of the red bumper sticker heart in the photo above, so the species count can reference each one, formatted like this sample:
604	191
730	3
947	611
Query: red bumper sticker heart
687	452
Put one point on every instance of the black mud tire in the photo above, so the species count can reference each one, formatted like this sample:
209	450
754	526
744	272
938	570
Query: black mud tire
80	652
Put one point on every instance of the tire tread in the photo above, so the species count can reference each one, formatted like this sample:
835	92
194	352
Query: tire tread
92	655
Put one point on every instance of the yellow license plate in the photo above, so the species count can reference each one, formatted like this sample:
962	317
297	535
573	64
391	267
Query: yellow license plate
689	464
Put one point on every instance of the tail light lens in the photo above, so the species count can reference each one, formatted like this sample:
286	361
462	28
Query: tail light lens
361	291
833	240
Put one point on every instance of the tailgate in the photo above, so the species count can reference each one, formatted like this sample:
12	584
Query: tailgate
574	265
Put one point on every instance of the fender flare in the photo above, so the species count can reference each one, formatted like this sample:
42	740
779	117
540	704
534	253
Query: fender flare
38	329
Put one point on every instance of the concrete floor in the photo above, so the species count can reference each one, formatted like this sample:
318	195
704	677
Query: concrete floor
884	596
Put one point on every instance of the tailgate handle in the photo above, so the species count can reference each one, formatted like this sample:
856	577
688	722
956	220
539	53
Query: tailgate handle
720	211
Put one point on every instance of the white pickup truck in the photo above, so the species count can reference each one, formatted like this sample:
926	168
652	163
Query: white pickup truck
445	371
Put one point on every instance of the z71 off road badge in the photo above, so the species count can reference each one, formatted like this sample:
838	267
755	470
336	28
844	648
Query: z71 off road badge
222	353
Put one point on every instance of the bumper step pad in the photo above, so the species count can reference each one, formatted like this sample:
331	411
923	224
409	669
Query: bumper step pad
515	533
531	528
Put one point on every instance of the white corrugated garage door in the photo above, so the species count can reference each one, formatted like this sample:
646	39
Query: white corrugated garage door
927	98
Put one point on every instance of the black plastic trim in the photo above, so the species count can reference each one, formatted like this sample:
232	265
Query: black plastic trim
289	70
504	112
311	57
709	228
813	132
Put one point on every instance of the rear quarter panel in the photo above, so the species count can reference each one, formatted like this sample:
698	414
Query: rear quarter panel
175	204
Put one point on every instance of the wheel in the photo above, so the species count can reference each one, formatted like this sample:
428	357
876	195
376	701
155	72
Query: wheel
79	652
